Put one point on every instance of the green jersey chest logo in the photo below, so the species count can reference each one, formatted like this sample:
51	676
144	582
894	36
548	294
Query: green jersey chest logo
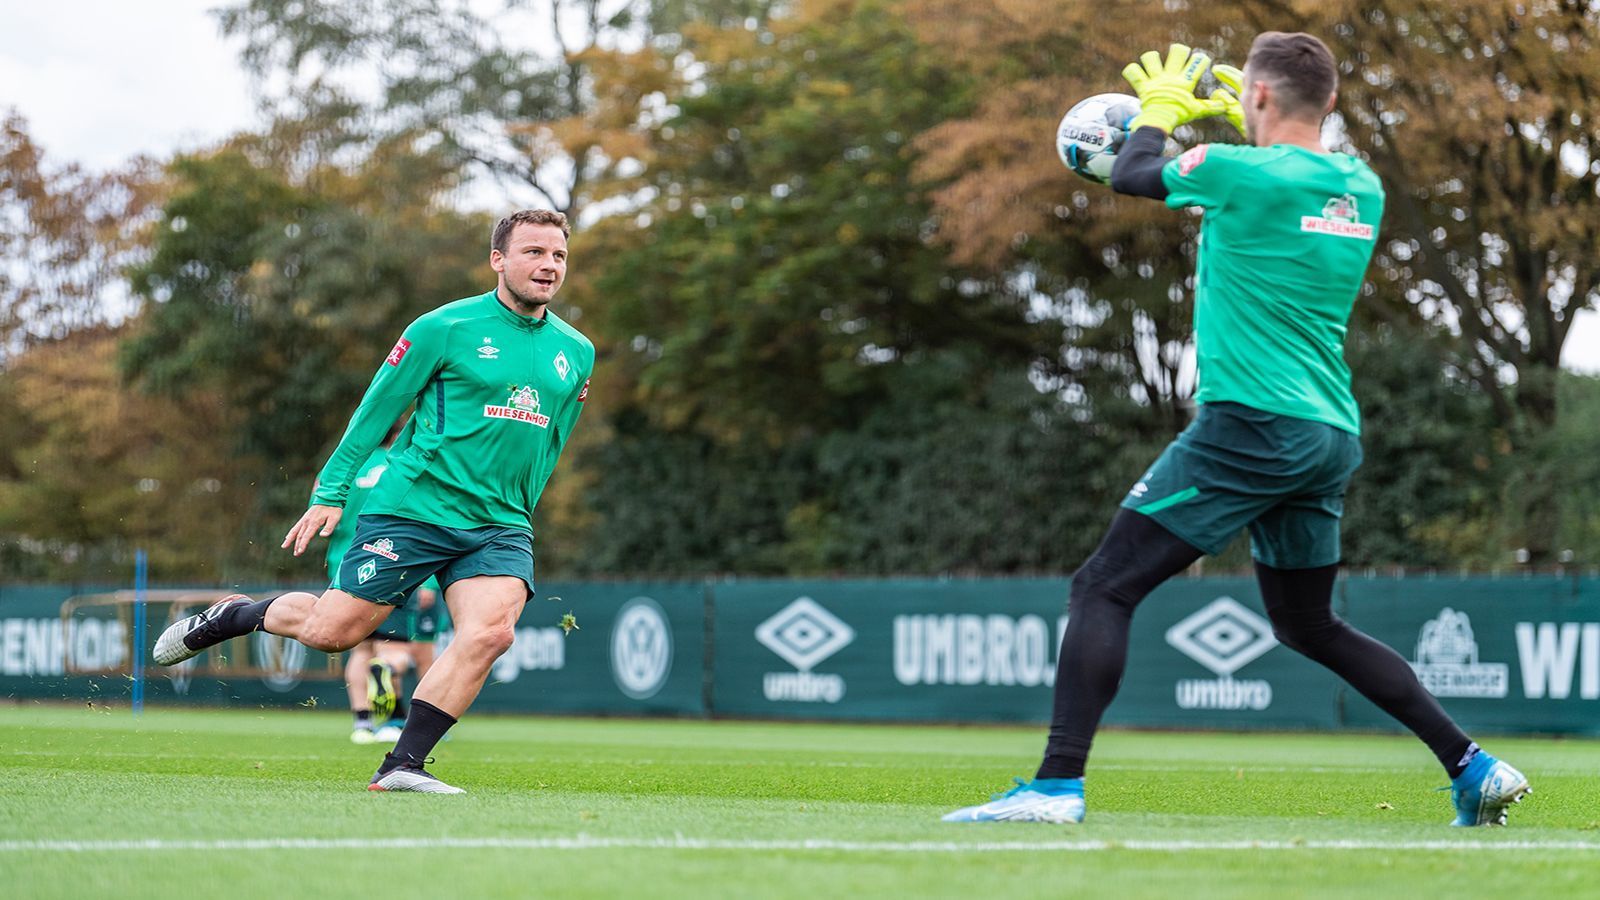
562	366
521	406
488	350
1340	217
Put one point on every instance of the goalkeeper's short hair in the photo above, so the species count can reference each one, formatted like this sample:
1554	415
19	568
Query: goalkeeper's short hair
1300	68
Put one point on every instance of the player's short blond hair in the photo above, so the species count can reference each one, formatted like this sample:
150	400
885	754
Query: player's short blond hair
503	228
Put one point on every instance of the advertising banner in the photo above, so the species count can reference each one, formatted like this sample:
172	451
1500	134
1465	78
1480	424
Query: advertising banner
1503	655
638	649
1202	654
1507	654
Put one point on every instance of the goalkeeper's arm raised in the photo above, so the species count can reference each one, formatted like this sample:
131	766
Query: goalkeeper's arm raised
1137	169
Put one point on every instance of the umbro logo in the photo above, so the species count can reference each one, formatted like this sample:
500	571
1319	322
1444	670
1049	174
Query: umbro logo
1223	636
488	350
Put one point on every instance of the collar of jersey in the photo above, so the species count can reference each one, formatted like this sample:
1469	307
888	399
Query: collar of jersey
522	322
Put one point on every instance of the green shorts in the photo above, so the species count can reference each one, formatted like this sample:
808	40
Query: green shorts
390	558
1235	466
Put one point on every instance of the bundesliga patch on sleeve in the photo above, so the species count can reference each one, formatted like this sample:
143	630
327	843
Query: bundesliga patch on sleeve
399	352
584	393
1192	158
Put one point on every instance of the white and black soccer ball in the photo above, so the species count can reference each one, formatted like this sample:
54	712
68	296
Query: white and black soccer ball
1091	133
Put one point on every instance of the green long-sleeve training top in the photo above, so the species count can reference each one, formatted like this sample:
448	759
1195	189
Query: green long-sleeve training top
496	394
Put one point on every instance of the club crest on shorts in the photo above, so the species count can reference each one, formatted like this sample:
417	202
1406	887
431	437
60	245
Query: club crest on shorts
522	406
367	570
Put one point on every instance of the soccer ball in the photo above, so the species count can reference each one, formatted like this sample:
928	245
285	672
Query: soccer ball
1092	131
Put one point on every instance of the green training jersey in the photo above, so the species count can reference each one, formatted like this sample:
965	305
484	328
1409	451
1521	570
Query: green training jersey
1284	247
496	397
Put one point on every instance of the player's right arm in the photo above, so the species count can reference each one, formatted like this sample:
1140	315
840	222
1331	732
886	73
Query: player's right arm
412	363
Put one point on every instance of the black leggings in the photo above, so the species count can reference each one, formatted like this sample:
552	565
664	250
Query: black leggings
1135	557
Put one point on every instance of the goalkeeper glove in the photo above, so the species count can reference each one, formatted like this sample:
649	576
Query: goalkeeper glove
1166	92
1225	99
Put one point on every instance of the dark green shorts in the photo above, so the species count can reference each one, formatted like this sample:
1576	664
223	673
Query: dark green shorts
1237	467
390	557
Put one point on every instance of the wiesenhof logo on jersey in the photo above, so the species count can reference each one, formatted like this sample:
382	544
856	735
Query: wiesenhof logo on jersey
1340	217
384	548
521	406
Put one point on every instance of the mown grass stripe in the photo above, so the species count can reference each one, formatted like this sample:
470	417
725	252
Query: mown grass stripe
583	842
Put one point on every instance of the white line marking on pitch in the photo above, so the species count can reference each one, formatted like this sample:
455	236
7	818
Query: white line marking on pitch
582	842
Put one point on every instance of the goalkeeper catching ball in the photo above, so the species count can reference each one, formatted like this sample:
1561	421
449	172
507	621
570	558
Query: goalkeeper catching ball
1288	231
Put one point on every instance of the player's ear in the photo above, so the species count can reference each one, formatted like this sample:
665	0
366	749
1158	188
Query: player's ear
1333	100
497	260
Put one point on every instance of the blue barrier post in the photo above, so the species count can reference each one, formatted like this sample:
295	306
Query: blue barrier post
140	570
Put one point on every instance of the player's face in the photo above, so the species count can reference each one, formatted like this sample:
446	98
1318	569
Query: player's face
534	264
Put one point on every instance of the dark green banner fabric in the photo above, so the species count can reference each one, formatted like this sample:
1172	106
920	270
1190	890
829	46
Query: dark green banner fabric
1502	654
1202	655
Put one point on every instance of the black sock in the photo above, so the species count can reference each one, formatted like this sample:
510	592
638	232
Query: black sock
424	729
1136	555
244	619
1300	605
399	709
364	717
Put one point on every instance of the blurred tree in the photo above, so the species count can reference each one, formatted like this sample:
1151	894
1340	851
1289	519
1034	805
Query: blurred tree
1434	477
65	235
774	261
93	469
495	89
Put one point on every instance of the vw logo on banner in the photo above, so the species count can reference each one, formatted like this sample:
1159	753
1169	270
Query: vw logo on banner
282	658
641	648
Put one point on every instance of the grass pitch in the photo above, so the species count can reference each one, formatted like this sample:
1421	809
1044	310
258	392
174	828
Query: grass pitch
272	804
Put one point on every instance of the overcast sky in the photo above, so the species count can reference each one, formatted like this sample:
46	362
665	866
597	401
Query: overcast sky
102	80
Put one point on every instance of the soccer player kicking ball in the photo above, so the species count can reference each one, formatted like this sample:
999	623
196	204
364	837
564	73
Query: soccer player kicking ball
1288	231
498	382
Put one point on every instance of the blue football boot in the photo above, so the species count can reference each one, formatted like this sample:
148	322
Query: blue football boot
1055	800
1484	791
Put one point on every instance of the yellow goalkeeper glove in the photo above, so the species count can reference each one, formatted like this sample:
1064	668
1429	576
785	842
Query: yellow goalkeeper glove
1166	91
1225	99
